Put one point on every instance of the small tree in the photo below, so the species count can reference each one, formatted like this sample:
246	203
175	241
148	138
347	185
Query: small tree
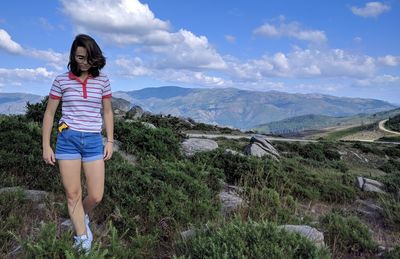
35	111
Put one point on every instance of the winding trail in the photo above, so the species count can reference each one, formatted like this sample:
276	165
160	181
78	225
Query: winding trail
382	127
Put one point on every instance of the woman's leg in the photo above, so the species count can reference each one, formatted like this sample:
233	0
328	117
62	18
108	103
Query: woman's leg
71	178
94	173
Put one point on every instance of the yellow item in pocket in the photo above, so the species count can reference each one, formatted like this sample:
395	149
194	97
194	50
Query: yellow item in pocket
62	126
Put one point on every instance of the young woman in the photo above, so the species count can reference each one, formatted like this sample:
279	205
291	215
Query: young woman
84	90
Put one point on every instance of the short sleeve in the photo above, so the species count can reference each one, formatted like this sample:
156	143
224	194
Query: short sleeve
107	89
55	91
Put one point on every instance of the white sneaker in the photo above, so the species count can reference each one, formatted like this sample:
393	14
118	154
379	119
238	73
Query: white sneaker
88	231
82	243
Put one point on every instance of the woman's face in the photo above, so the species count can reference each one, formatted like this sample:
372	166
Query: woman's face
81	59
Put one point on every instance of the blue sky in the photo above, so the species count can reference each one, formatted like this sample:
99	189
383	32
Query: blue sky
342	48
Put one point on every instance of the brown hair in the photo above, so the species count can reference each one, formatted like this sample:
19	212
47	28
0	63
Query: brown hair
94	55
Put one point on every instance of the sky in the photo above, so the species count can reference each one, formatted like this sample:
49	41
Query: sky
342	48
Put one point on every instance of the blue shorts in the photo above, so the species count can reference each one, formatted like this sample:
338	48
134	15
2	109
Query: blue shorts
72	144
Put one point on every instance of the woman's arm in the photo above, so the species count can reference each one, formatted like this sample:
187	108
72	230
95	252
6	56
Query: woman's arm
109	123
48	119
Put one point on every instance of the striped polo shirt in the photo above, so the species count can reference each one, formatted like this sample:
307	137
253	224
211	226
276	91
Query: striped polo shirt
81	101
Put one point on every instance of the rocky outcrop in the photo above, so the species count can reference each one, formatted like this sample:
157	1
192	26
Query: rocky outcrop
310	233
230	199
135	112
193	145
259	146
369	185
368	209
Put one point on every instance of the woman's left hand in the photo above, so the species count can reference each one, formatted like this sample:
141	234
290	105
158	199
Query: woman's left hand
108	151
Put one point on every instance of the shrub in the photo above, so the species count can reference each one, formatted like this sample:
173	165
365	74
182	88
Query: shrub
391	212
21	160
366	148
393	254
35	112
181	192
161	143
346	234
393	152
267	204
233	166
239	239
11	220
51	244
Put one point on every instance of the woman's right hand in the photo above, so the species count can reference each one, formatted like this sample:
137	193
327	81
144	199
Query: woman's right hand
48	156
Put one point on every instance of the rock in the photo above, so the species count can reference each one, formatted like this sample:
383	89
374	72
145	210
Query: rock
360	182
33	195
372	188
134	113
310	233
374	182
259	147
148	125
67	225
230	202
369	185
369	209
193	145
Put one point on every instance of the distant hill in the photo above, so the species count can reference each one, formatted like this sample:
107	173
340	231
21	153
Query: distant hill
316	122
14	103
245	109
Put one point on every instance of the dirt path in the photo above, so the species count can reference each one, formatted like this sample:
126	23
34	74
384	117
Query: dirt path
382	127
248	136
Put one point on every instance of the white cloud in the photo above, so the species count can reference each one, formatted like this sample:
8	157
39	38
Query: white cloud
230	38
187	51
19	76
292	30
357	39
379	81
46	24
371	9
303	63
54	58
125	22
190	77
389	60
8	44
132	67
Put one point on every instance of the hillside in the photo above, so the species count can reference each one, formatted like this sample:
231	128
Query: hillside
14	103
246	109
317	122
218	200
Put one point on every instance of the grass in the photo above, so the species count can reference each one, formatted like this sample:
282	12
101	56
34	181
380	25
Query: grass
147	205
347	234
249	239
336	135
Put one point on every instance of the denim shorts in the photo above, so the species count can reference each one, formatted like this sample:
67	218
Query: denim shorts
72	144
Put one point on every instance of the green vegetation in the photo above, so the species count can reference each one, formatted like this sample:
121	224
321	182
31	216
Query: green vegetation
148	204
336	135
250	239
347	234
21	161
393	123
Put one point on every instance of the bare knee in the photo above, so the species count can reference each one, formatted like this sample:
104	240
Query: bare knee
95	198
73	196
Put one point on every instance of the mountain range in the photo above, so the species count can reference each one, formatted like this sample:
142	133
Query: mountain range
232	107
246	109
